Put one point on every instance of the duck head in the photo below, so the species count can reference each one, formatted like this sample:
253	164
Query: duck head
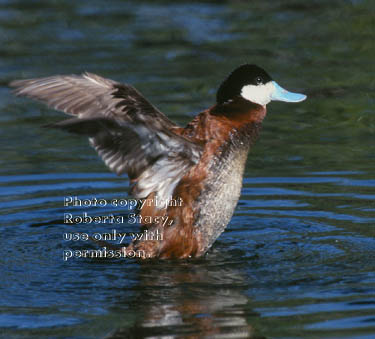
254	84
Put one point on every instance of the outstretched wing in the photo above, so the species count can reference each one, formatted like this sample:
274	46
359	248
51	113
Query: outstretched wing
89	95
129	133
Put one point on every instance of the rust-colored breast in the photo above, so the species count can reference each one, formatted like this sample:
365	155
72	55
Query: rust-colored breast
210	190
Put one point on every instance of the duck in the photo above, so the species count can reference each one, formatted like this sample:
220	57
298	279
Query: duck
200	166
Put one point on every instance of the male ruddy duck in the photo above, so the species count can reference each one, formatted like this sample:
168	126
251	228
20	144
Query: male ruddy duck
200	165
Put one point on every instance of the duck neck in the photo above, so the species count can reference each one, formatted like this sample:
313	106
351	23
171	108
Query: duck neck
236	123
240	111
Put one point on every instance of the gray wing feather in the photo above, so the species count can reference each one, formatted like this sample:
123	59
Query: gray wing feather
129	133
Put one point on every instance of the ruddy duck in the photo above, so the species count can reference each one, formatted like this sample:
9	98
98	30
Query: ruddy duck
201	166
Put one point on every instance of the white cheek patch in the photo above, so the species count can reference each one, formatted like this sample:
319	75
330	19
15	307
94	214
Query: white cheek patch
260	94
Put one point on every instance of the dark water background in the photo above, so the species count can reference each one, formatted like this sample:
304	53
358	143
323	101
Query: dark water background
297	259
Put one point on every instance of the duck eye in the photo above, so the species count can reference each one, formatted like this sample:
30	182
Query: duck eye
258	80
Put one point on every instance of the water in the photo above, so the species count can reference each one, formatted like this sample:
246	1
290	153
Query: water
297	259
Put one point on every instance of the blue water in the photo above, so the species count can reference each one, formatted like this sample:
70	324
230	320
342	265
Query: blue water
297	259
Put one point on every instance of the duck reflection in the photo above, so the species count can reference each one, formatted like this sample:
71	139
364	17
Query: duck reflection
191	299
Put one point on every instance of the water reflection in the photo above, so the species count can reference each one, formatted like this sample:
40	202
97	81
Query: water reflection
195	299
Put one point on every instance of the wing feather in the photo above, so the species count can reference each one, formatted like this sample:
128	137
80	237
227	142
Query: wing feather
128	132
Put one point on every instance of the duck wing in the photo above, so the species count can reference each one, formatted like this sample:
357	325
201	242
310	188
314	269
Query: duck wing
88	95
129	133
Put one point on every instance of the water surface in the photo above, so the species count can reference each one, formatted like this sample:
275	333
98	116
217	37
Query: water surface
297	259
